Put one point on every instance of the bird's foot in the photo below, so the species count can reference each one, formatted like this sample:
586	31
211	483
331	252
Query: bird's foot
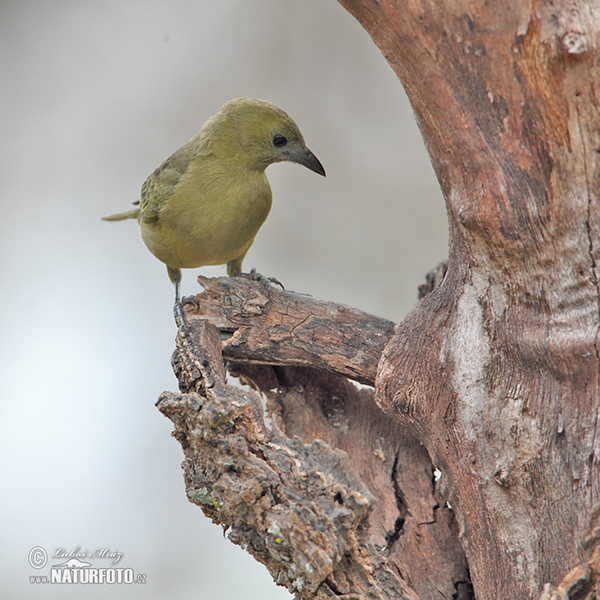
190	300
178	308
254	275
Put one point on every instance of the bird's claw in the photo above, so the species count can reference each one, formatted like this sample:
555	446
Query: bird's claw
254	275
178	309
190	300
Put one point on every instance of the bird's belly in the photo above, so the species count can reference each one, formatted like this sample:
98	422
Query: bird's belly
188	235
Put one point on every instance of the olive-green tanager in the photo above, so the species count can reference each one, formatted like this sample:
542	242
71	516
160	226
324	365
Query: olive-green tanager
206	202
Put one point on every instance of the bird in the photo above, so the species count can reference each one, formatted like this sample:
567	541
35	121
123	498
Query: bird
205	203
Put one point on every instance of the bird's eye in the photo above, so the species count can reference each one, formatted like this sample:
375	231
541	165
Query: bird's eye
279	140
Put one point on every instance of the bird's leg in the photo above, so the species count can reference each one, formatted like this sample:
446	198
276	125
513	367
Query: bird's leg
176	285
234	267
175	277
178	308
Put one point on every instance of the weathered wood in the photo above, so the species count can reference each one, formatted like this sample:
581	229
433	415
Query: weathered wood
267	325
333	497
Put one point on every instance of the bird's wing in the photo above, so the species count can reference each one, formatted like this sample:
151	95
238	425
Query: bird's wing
159	187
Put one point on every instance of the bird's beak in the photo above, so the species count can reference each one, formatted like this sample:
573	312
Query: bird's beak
309	160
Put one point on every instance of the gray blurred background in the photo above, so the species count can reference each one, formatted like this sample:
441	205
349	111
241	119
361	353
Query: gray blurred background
95	94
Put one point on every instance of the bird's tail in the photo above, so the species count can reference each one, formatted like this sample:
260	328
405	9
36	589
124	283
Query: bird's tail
131	214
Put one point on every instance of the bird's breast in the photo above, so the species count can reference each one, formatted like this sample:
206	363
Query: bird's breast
211	218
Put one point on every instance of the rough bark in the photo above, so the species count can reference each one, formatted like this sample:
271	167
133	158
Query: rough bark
494	376
505	95
336	499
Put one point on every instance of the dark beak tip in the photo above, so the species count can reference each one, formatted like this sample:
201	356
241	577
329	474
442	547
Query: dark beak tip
314	164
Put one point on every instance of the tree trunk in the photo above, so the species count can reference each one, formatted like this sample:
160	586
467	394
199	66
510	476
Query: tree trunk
493	379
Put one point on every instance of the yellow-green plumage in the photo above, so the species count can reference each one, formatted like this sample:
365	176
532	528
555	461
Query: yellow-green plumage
205	203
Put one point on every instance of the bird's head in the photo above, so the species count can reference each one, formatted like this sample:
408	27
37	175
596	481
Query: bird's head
260	133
